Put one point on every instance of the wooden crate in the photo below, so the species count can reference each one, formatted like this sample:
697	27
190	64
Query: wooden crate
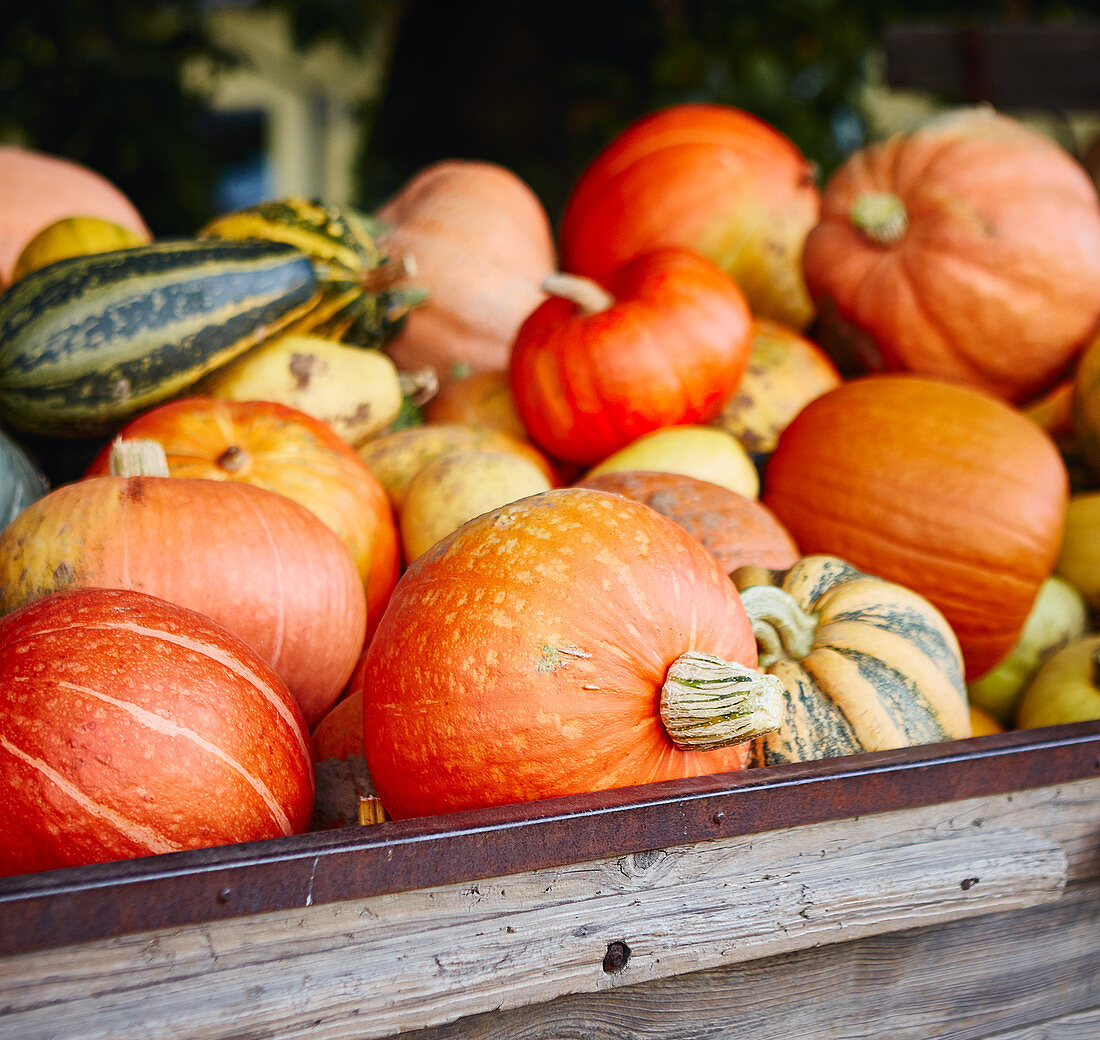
944	891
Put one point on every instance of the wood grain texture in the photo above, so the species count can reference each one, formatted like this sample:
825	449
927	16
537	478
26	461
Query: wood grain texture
1026	975
378	966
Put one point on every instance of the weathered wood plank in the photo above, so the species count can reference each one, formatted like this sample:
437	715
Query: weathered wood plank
1027	975
376	966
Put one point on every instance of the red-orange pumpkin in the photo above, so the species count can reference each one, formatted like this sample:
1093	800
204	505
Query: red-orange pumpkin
256	561
284	450
967	249
481	244
523	656
130	726
738	531
705	177
664	344
36	189
936	486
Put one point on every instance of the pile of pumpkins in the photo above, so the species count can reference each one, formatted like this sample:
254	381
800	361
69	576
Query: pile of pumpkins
730	469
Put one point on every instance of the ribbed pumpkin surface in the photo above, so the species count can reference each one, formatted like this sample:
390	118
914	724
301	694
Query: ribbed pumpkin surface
130	726
523	656
883	669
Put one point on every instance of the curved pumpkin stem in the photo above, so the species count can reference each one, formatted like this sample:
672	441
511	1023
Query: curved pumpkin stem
589	296
881	216
138	457
782	628
708	703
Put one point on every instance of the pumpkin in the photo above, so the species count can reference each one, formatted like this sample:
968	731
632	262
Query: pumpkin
937	486
572	641
479	399
1084	410
1065	689
130	726
481	243
21	480
256	561
982	724
1058	616
866	665
1079	555
705	177
735	529
344	789
968	249
785	372
37	189
593	367
287	451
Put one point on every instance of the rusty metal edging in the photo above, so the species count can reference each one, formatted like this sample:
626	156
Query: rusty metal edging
57	908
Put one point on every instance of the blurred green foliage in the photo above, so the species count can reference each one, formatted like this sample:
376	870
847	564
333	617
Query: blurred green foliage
537	87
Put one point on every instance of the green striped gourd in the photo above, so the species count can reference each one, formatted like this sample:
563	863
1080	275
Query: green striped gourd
89	341
361	302
865	664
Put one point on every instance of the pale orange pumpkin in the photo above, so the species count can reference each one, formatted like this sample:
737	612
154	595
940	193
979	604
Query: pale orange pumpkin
481	244
968	248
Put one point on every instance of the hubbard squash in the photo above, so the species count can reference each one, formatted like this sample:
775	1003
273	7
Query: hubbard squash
866	665
937	486
131	726
968	249
572	641
736	529
254	560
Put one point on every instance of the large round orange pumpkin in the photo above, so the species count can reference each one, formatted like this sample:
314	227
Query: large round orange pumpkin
36	189
254	560
704	177
936	486
287	451
967	249
737	530
527	655
481	244
131	726
663	342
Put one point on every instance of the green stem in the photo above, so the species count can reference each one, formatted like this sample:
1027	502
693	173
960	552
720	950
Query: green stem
782	628
880	216
708	703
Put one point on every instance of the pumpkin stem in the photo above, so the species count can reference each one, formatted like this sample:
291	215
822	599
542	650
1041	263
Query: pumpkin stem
708	703
782	628
388	273
139	457
233	459
881	216
589	296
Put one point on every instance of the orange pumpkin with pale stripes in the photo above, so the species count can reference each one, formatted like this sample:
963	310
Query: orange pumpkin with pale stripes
866	665
130	726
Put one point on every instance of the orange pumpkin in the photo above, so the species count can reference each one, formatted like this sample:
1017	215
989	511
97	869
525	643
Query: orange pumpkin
663	344
481	243
966	249
936	486
37	189
479	399
542	649
281	449
256	561
131	726
703	177
736	530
